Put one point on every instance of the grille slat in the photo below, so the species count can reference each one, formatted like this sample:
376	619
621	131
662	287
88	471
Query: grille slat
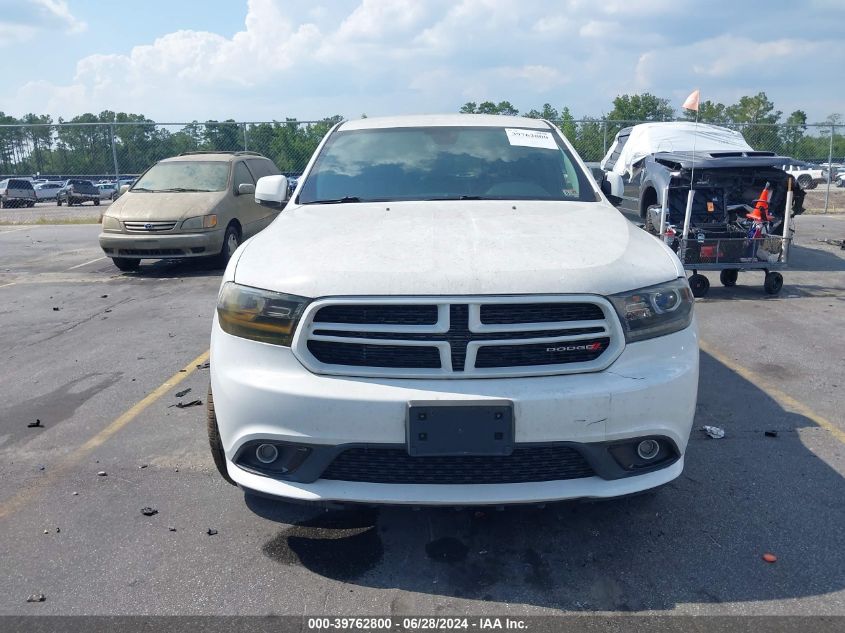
395	466
148	227
509	313
539	354
364	355
378	314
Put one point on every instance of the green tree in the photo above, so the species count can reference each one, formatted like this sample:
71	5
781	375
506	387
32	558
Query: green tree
489	107
708	112
793	132
548	112
642	107
756	116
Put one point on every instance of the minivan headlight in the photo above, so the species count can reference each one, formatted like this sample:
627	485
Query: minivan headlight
201	222
110	223
259	315
654	311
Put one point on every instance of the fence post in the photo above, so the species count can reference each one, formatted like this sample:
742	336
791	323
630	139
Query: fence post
604	134
246	148
114	158
829	168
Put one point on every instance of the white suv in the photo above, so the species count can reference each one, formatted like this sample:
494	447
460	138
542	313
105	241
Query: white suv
807	175
450	312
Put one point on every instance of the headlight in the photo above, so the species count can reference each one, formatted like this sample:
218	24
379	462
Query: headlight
200	222
110	223
654	311
259	315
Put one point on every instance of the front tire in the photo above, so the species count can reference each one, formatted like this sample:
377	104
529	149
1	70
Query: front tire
806	182
216	445
96	202
58	202
126	264
231	241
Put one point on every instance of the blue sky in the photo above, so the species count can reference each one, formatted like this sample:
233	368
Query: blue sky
270	59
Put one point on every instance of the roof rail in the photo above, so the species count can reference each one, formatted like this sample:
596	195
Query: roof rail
211	151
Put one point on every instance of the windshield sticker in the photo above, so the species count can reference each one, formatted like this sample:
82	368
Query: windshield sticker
531	138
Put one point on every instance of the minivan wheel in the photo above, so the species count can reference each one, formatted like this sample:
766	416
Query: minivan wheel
96	202
126	264
214	442
231	241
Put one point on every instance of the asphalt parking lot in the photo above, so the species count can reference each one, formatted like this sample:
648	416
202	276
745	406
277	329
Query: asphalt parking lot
97	356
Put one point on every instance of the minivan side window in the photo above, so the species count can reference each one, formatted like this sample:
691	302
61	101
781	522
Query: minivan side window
242	175
262	167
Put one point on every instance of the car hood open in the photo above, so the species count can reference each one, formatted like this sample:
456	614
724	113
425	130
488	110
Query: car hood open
453	248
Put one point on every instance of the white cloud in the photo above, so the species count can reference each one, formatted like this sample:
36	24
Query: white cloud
23	21
390	56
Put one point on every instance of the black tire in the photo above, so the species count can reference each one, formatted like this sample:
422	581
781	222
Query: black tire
773	283
30	204
125	264
96	202
58	202
214	442
806	182
231	241
729	276
699	284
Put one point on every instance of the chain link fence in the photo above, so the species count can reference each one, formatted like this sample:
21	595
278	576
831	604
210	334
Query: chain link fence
105	151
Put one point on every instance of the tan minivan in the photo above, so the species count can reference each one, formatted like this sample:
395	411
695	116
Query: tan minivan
197	204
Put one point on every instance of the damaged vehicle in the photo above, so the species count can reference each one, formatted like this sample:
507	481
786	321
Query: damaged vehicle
449	311
727	174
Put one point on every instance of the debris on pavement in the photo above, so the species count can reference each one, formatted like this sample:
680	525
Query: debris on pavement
36	597
180	394
148	511
75	494
104	296
41	467
185	405
211	531
102	473
58	530
714	431
771	433
143	465
35	425
56	308
770	558
171	528
205	365
46	531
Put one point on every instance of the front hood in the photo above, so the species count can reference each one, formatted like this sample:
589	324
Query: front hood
164	206
453	248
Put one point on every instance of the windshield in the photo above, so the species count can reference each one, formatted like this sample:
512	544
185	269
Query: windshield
185	176
445	163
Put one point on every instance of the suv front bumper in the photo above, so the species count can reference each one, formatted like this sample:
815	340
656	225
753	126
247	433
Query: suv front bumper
262	392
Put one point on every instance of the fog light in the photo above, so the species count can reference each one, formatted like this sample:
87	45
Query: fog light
647	449
266	453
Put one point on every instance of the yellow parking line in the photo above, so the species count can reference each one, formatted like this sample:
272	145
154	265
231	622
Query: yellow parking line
85	264
783	399
25	496
11	283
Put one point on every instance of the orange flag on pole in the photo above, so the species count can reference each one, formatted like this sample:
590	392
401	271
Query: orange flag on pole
692	101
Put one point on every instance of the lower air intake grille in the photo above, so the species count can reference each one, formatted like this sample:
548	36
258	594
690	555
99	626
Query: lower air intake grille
540	353
395	466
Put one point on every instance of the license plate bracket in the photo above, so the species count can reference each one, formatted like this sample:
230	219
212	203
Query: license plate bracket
460	428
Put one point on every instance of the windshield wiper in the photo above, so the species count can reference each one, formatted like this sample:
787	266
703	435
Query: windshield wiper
336	200
179	190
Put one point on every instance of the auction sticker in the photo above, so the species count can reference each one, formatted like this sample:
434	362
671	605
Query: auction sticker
531	138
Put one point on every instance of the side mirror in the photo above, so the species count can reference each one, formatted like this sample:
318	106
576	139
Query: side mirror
123	189
613	188
272	191
245	188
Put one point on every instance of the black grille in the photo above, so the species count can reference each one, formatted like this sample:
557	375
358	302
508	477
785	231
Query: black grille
539	354
151	252
364	355
506	313
395	466
378	314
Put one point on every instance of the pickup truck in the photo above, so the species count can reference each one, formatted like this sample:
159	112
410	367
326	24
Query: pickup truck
77	191
449	311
